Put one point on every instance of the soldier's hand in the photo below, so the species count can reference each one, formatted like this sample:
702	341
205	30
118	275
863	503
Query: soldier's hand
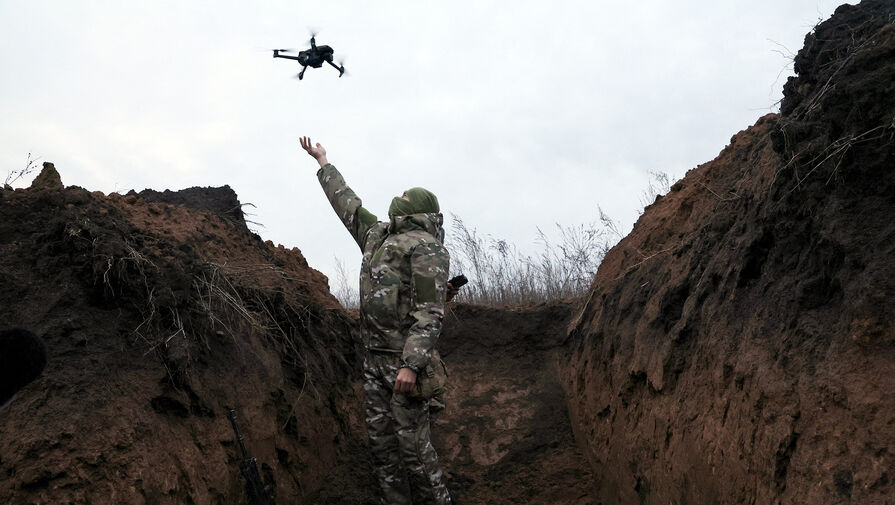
405	381
315	150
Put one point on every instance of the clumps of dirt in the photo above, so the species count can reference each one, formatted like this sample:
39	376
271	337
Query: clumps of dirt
221	201
48	178
738	346
836	112
155	317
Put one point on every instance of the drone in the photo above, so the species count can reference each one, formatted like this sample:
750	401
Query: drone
313	57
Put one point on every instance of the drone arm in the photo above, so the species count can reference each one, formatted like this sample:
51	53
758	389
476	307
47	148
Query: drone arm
340	69
276	54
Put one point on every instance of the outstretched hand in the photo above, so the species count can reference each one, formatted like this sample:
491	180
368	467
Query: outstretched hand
315	150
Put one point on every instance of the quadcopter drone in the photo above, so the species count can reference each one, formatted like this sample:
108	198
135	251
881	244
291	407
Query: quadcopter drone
313	57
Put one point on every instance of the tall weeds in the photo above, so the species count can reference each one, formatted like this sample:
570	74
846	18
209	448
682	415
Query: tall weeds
344	290
500	275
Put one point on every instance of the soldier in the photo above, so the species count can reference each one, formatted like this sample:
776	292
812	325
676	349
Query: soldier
403	285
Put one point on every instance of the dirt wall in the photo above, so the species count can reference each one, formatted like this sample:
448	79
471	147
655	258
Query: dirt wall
505	437
156	316
738	346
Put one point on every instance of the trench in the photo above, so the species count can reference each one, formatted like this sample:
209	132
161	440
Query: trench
505	437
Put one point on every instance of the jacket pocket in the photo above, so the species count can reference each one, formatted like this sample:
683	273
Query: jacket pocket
432	380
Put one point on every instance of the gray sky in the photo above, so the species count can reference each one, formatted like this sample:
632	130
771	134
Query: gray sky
516	114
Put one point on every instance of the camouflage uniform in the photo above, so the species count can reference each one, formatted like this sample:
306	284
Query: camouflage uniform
402	290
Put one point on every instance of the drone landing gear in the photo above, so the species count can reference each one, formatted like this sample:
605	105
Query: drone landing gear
340	68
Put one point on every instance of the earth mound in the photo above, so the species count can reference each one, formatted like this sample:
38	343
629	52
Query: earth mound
156	317
738	346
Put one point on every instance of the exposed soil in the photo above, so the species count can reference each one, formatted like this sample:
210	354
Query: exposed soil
737	347
155	317
505	437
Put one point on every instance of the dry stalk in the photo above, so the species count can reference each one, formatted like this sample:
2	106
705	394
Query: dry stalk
218	295
719	197
239	270
147	320
301	393
178	330
14	175
839	146
644	260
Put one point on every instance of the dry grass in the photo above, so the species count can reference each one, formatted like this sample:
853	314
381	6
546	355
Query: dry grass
564	268
344	290
15	175
234	306
500	275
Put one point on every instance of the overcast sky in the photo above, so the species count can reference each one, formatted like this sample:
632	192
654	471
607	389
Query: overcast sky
516	114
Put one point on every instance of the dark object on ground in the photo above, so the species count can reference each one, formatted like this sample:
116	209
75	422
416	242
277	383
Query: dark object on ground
314	57
23	357
258	493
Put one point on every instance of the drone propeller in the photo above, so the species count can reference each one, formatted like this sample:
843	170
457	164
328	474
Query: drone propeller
342	71
283	50
314	32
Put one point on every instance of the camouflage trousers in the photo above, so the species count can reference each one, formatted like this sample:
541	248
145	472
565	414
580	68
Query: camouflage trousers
404	458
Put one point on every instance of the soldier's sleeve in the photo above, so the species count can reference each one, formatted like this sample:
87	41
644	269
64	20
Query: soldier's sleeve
429	265
346	203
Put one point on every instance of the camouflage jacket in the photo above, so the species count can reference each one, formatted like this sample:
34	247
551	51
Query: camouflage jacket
403	276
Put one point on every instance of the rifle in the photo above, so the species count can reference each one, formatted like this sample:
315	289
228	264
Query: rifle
255	488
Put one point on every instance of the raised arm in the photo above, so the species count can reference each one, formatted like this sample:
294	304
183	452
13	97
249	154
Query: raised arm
345	202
